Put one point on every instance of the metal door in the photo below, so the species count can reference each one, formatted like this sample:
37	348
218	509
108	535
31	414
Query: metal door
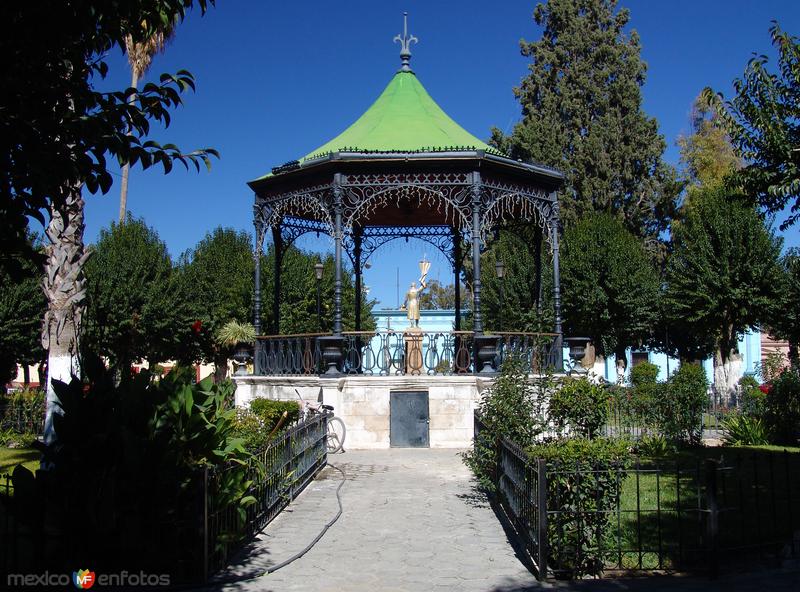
409	419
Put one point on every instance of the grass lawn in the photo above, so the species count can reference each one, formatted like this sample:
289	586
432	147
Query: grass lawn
11	457
661	523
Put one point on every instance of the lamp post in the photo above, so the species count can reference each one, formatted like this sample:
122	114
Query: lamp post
500	269
318	272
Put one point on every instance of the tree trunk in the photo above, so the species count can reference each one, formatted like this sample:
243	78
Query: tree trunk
727	372
220	367
65	289
123	186
794	355
26	375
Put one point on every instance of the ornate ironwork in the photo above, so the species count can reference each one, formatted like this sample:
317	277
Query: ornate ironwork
298	355
448	193
374	237
504	202
405	45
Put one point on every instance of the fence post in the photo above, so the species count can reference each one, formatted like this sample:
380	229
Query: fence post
541	515
205	523
712	520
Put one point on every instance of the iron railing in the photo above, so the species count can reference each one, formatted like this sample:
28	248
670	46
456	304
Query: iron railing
388	353
693	514
217	518
276	475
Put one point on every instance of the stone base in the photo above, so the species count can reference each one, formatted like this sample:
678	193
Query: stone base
363	403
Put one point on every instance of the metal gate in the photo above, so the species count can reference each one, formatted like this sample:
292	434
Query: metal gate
409	419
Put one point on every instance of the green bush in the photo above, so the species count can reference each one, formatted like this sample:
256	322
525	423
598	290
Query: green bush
270	411
580	405
508	409
753	399
653	446
644	373
681	405
584	480
126	472
249	427
782	408
744	430
22	411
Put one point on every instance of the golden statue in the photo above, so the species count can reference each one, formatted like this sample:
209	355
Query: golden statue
411	304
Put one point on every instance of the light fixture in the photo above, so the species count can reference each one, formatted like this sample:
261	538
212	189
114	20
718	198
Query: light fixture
318	270
500	268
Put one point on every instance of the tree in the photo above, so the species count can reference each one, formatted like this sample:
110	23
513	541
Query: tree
136	309
785	317
722	276
707	155
22	306
218	275
58	132
763	122
140	56
437	296
582	113
611	286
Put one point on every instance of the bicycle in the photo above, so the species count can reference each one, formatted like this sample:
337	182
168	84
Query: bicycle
334	439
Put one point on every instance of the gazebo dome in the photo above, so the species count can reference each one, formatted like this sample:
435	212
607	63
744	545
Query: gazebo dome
404	118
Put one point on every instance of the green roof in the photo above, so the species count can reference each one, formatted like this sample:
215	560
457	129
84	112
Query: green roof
404	118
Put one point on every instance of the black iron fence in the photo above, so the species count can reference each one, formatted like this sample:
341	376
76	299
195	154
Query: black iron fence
224	507
693	513
23	416
407	352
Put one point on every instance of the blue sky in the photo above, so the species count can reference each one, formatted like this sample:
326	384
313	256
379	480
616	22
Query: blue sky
275	80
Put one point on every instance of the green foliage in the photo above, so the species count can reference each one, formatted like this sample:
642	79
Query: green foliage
136	306
579	405
508	409
744	430
583	481
270	412
753	399
218	274
644	373
681	404
22	306
612	284
59	126
526	299
250	428
438	296
128	461
785	317
22	413
298	297
582	113
763	122
653	446
782	409
234	332
723	274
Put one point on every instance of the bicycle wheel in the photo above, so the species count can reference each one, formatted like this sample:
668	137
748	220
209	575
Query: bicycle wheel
334	441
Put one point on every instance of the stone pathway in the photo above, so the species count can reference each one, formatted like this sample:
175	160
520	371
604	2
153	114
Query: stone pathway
413	521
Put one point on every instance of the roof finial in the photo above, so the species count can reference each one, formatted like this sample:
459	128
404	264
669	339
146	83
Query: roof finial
405	45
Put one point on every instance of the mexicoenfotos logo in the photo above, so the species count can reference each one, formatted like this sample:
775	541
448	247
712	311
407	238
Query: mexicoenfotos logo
83	579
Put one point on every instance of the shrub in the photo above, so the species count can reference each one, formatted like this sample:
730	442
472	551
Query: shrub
23	411
753	399
744	430
644	373
508	409
680	407
653	446
126	478
584	480
782	408
270	411
581	405
249	427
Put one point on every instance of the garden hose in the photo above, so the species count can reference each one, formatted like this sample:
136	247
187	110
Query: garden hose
236	579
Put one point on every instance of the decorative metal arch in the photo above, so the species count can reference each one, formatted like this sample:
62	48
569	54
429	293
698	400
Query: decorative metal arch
374	237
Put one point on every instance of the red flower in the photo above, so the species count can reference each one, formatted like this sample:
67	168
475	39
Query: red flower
765	388
196	326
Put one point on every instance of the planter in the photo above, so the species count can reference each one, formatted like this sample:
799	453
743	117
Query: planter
242	355
486	352
331	346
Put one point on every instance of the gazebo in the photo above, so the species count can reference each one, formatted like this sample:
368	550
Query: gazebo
403	169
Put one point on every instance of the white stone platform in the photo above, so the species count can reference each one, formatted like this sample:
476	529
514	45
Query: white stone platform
363	403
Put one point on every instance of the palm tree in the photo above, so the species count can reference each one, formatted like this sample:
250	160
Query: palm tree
140	56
